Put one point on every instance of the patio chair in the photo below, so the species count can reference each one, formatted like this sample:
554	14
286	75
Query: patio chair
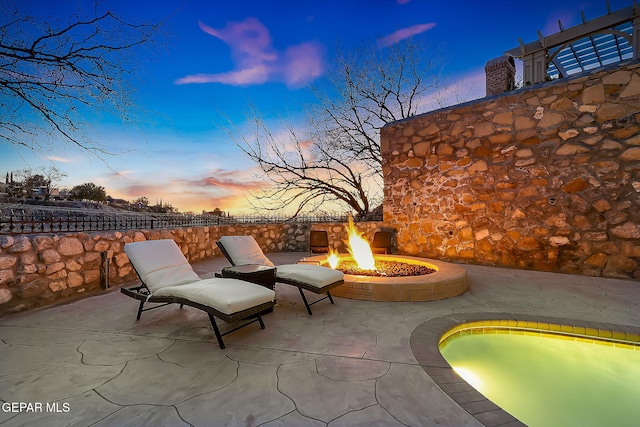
318	242
167	278
381	242
242	250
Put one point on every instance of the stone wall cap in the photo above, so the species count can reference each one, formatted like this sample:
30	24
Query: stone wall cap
519	92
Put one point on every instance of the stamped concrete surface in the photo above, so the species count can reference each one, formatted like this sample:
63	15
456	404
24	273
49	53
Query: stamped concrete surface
90	363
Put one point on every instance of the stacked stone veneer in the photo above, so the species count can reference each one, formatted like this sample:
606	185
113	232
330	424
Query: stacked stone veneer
37	270
545	178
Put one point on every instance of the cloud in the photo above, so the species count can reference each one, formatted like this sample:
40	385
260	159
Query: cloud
227	180
233	204
59	159
139	190
248	76
257	61
249	40
219	188
404	33
303	64
184	197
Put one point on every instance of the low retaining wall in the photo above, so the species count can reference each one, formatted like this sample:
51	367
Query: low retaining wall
37	270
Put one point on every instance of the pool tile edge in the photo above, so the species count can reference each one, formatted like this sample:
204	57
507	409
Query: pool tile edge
425	340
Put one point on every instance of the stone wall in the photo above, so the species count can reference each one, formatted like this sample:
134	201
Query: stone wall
545	178
37	270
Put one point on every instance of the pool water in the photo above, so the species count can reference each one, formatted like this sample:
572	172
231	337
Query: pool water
550	380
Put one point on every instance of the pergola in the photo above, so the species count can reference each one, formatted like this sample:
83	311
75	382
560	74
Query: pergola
604	40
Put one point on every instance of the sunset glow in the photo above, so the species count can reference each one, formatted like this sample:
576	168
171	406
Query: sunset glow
218	60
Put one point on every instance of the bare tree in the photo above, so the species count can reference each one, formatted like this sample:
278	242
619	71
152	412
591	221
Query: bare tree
301	172
56	76
337	156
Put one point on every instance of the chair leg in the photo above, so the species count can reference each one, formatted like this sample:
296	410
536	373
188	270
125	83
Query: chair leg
140	310
306	304
260	321
217	331
330	298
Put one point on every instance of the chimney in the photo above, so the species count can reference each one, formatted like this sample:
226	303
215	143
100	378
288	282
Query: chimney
501	75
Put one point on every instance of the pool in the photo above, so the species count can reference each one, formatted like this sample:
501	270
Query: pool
554	375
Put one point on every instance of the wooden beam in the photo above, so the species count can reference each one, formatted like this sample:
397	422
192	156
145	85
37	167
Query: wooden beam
582	30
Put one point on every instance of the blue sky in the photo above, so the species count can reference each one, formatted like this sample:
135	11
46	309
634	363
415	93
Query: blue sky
220	56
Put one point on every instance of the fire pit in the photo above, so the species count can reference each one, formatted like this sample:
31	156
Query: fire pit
448	280
440	279
385	268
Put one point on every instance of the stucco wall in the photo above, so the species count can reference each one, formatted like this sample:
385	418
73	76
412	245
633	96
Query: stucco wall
37	270
544	178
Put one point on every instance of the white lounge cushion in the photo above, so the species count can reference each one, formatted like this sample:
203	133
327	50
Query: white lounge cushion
244	250
160	263
226	295
313	275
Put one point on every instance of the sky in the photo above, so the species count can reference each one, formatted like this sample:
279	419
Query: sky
219	57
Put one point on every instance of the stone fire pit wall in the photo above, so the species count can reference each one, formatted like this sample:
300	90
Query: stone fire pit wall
38	270
544	178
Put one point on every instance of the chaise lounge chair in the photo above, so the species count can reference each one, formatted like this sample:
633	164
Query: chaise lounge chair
242	250
167	277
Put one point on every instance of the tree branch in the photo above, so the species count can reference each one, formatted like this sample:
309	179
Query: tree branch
53	80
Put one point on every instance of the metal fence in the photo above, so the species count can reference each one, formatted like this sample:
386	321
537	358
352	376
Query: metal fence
23	219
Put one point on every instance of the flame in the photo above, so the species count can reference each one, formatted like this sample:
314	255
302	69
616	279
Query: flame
333	259
359	248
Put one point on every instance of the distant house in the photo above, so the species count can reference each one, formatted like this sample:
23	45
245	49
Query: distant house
39	193
57	194
112	201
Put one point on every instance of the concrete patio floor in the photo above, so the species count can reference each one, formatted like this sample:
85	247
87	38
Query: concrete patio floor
349	364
